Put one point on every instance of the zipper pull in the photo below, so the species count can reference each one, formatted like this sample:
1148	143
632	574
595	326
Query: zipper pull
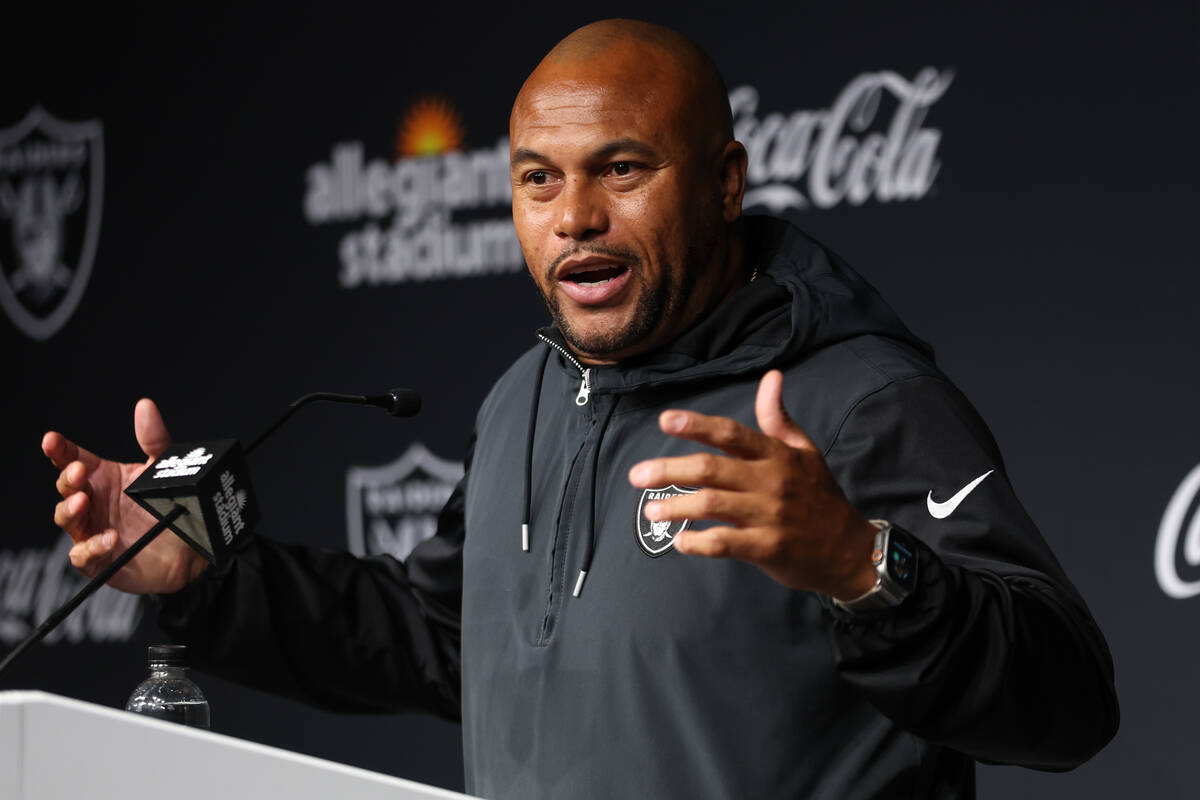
585	388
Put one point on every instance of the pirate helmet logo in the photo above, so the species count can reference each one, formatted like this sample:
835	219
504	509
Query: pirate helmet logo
394	507
51	192
656	538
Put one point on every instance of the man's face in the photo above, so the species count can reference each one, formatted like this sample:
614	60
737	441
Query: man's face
616	206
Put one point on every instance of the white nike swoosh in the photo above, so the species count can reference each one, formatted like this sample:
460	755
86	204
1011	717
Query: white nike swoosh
943	510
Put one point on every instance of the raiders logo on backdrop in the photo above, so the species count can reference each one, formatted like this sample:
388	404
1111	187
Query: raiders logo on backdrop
657	538
51	192
393	508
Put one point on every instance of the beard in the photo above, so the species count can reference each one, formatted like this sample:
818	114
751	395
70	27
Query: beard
656	305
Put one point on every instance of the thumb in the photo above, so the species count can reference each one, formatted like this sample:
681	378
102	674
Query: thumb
149	428
772	417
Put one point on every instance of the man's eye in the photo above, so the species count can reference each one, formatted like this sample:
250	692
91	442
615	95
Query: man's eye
622	168
539	178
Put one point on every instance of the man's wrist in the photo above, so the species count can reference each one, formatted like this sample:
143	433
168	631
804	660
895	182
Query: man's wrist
894	558
858	573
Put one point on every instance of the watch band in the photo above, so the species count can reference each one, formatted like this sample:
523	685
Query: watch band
887	592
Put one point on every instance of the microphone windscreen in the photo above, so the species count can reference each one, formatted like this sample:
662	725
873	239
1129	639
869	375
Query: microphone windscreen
405	402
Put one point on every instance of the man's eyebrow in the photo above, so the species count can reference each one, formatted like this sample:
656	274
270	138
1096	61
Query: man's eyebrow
625	145
523	155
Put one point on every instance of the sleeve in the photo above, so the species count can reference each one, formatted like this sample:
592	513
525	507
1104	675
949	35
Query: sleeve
331	629
995	653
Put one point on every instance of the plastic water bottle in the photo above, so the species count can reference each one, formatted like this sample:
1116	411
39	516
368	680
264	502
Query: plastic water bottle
169	693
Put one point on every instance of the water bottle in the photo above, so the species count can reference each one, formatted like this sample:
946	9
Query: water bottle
169	693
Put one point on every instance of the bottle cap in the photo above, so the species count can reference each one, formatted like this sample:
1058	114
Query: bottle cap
167	655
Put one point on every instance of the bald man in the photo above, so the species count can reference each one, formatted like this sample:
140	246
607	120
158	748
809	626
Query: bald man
697	551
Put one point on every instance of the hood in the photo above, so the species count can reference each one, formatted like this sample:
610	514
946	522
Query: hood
805	298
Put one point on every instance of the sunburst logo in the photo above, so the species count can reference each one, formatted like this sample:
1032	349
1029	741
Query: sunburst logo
430	126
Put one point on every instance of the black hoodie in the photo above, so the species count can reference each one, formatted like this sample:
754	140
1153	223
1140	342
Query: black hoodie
663	675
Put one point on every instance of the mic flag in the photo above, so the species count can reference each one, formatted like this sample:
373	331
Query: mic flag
210	480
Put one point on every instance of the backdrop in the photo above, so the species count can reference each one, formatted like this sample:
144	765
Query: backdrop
226	208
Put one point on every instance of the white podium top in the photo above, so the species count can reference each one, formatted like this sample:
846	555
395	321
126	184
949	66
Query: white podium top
56	748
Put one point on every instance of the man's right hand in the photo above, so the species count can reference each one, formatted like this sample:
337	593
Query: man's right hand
103	522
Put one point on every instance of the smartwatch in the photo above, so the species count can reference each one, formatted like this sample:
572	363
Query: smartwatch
895	560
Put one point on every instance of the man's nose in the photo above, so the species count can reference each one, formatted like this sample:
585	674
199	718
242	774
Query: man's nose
581	213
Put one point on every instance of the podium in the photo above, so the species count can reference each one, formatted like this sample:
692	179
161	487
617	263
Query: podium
56	748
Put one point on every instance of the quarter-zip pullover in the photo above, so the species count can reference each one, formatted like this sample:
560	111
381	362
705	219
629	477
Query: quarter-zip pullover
675	676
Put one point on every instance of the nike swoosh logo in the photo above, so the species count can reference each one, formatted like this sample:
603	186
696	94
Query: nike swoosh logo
943	510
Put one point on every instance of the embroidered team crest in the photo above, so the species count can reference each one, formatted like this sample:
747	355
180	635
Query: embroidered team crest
51	192
657	538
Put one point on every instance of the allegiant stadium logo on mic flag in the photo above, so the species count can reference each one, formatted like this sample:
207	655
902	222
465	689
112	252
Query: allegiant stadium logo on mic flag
177	467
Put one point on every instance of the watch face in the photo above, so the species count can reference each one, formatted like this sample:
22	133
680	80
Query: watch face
902	560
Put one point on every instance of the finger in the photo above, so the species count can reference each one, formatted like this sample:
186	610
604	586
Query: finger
71	479
744	544
149	428
79	557
71	513
697	469
93	554
102	544
773	418
721	432
738	508
62	451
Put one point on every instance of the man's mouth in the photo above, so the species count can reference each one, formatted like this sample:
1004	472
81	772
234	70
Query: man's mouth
597	276
594	281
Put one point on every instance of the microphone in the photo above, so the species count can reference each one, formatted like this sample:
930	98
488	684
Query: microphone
398	402
199	489
212	481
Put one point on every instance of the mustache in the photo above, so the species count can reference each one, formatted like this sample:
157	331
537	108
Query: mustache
607	251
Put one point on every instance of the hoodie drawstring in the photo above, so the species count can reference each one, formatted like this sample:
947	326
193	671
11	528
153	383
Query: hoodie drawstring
533	412
590	550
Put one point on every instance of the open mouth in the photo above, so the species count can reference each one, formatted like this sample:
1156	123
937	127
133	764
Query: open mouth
595	282
596	276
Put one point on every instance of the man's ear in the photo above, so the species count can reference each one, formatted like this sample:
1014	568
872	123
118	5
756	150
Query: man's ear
733	163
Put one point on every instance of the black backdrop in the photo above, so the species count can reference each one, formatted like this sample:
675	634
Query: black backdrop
1047	255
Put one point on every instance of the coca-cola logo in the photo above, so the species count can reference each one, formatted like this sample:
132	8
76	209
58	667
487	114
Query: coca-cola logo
1181	521
34	582
845	153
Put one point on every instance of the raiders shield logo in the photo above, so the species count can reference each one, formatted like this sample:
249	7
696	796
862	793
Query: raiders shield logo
393	508
656	538
51	192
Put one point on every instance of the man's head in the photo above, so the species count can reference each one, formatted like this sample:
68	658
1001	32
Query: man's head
627	185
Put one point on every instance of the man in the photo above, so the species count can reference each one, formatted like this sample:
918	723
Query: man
795	648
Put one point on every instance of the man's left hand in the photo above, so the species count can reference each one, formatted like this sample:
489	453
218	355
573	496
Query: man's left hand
785	512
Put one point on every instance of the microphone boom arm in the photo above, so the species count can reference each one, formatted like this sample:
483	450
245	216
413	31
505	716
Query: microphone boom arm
398	402
297	404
